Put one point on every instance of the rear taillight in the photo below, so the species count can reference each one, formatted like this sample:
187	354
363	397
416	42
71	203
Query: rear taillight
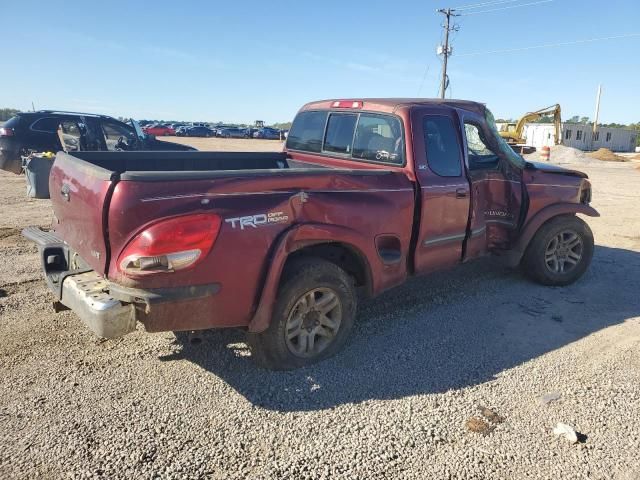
170	245
7	132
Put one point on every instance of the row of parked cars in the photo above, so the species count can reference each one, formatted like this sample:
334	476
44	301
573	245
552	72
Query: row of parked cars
224	131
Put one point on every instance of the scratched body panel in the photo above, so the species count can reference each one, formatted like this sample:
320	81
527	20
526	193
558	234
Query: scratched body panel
255	213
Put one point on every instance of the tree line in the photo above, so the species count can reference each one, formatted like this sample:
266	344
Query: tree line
7	113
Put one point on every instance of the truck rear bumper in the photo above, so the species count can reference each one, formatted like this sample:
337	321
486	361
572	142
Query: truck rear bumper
108	309
87	294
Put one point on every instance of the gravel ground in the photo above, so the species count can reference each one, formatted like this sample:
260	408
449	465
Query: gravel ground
422	360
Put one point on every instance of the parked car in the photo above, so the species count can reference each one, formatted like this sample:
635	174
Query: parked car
366	194
248	132
231	132
38	131
160	130
181	131
267	133
198	132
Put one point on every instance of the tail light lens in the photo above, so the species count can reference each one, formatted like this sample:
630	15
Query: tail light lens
170	245
6	132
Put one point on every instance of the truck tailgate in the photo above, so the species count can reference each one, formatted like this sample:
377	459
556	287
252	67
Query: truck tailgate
80	193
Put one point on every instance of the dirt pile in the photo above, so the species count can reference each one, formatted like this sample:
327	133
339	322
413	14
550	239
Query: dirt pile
561	154
606	155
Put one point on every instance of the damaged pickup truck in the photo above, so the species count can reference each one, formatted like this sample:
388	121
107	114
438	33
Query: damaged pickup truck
365	194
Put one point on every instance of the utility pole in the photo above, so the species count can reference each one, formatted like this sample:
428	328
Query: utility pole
595	120
445	50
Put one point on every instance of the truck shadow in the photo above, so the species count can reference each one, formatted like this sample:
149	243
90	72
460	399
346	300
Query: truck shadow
437	333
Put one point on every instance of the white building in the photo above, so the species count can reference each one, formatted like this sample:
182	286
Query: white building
581	136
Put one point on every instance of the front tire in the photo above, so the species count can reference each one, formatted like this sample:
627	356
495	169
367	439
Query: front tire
312	318
560	252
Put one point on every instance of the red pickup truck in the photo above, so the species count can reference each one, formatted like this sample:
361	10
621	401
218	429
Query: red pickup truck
366	193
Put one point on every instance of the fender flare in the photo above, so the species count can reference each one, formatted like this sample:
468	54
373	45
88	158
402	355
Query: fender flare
294	239
539	219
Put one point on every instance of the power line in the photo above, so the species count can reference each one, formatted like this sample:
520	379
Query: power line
507	7
424	77
484	4
550	45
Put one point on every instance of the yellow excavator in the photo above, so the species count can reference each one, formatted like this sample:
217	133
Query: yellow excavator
513	132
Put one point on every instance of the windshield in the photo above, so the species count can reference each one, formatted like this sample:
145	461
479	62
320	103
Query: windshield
504	147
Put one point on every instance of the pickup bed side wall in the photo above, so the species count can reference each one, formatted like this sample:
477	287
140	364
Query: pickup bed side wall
350	208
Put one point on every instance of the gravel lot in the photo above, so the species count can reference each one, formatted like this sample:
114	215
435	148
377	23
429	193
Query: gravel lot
228	144
422	359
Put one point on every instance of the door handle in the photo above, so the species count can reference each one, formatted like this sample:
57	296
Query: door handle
461	193
65	192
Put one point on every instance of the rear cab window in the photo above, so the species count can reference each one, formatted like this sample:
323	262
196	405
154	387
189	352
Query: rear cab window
307	131
360	136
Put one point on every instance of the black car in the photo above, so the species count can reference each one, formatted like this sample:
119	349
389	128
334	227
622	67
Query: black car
231	132
38	131
198	132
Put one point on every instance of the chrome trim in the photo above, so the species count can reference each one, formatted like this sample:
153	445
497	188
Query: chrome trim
198	195
444	239
550	185
363	191
428	187
273	192
86	294
478	231
503	180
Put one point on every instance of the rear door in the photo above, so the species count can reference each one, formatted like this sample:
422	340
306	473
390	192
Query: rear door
79	193
42	134
444	189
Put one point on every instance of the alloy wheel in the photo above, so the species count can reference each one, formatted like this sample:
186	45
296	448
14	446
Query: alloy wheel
313	322
563	252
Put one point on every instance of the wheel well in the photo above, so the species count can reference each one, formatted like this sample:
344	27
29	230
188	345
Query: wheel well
344	256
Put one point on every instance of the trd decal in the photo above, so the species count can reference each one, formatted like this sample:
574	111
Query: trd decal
259	220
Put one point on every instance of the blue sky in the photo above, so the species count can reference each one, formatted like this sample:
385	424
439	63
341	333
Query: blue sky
242	61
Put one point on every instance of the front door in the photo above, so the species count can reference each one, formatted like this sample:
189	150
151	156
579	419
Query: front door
496	191
444	190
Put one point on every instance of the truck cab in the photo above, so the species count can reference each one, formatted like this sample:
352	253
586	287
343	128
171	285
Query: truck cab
473	194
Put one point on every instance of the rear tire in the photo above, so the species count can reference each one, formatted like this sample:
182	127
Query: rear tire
312	318
560	251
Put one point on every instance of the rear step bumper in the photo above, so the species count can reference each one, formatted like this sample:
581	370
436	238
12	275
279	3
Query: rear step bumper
88	296
81	289
108	309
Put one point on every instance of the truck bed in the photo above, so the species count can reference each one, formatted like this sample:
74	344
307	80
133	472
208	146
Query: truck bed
101	198
167	165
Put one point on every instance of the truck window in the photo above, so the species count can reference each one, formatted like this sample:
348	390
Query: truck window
480	156
443	147
378	138
339	136
307	131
